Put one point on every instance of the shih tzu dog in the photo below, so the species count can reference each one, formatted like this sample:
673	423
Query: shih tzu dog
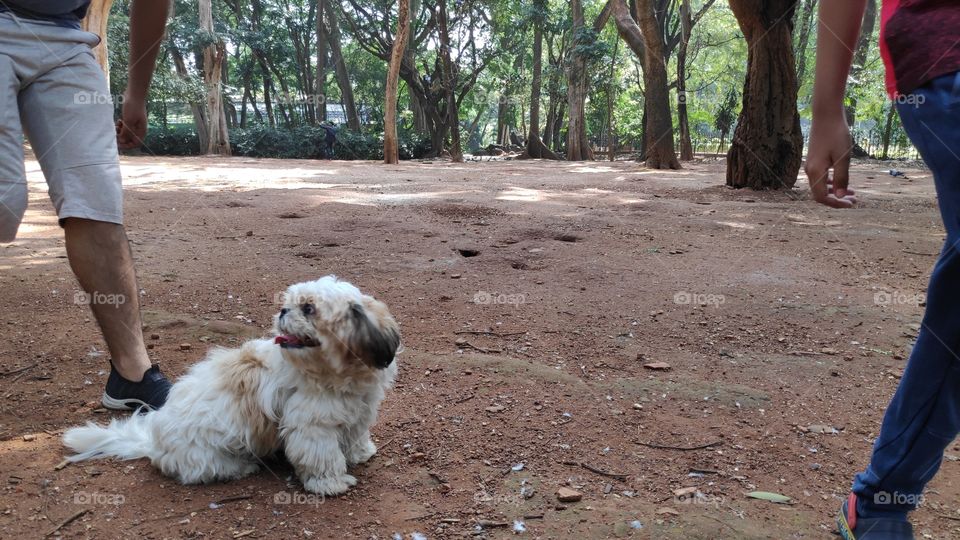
313	391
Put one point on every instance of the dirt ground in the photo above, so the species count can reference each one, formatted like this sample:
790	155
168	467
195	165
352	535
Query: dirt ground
531	295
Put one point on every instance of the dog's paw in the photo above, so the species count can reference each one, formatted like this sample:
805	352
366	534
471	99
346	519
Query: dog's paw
329	485
361	453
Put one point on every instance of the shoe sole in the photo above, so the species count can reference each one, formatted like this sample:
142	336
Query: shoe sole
123	404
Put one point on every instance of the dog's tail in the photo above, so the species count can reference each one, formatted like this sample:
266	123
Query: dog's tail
125	438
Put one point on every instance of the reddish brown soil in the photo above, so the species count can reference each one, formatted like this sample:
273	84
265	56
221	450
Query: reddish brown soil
587	270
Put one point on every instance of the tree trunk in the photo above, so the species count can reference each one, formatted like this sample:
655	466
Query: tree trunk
391	147
659	125
860	60
535	147
803	39
767	144
419	116
340	68
199	113
888	131
548	125
213	54
686	26
611	147
449	83
578	144
503	129
558	125
96	22
320	79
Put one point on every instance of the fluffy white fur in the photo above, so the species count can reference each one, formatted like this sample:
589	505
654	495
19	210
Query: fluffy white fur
313	392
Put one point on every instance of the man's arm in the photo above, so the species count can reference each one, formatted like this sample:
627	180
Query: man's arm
830	142
148	21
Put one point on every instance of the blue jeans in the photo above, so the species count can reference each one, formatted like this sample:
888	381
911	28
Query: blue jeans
924	416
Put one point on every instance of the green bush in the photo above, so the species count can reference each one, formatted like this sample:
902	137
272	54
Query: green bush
179	141
304	142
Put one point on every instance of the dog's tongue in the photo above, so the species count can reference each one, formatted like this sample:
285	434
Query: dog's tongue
286	339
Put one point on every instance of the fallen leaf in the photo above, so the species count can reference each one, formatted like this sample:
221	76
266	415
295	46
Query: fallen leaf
768	496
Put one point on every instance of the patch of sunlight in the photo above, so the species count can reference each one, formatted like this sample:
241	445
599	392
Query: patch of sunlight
399	197
594	170
738	225
803	220
520	194
596	190
633	201
29	228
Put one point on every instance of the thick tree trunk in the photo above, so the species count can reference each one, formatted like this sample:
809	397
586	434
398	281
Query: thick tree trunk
197	108
535	147
659	125
341	71
391	147
860	59
213	55
96	22
449	84
767	144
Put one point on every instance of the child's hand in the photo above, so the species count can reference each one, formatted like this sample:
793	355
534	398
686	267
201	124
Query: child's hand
830	148
132	128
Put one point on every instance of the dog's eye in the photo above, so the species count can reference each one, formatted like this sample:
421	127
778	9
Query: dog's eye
309	309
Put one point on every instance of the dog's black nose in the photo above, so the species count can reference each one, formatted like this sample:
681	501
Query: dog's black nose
283	311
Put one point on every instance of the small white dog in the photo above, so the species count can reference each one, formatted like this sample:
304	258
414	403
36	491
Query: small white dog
313	391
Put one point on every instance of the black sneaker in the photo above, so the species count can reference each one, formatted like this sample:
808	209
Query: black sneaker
124	395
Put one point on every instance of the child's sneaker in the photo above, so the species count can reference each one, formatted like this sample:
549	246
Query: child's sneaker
123	395
852	528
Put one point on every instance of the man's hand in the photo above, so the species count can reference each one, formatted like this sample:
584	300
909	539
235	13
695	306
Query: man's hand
148	20
830	142
830	149
132	127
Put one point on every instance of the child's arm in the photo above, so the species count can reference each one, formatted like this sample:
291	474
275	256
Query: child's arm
830	142
148	21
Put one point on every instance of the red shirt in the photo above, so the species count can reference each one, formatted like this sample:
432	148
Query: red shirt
919	41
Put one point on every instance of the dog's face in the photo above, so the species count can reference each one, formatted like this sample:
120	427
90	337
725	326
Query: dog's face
331	321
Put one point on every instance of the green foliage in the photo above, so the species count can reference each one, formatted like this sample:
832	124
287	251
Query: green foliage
304	142
177	141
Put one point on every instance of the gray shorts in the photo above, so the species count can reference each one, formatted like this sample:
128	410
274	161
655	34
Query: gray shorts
52	90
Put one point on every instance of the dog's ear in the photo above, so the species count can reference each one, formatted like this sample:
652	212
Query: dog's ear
376	335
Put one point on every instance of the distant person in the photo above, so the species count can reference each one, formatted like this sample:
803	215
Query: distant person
52	88
329	140
919	43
